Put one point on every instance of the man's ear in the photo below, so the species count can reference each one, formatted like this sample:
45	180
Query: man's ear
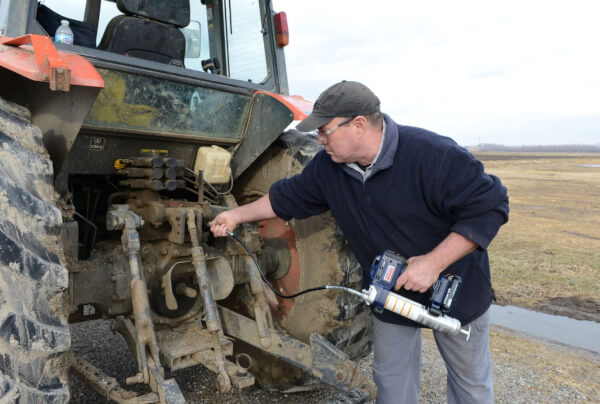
360	122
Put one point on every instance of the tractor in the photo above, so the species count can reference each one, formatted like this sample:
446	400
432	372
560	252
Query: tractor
116	152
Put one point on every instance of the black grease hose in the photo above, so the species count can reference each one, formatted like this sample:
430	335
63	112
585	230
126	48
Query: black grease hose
236	238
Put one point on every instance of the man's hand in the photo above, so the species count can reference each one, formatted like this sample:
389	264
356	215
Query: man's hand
260	209
222	222
423	270
419	275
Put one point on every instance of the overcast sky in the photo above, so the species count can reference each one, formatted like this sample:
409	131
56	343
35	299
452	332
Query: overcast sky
509	72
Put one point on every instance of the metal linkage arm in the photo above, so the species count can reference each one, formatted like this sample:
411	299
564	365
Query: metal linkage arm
142	339
107	386
262	313
320	359
210	312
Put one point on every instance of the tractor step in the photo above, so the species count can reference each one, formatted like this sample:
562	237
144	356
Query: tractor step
191	345
179	346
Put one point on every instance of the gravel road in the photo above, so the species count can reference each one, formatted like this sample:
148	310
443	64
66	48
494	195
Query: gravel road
525	371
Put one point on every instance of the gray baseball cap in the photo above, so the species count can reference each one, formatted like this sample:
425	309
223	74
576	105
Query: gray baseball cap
344	99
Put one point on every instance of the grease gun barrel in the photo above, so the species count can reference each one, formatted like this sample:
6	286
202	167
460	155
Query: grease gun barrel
409	309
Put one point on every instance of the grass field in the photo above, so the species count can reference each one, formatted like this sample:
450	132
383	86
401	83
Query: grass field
547	257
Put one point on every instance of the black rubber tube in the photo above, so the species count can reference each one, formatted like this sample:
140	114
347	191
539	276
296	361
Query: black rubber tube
236	238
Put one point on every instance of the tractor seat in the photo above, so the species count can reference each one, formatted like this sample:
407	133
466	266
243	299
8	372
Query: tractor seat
149	30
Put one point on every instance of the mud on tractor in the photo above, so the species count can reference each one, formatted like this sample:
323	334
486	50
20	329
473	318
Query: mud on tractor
115	153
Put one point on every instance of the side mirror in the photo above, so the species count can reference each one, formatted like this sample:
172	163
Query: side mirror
192	39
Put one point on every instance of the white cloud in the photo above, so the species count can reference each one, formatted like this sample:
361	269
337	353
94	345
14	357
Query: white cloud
525	72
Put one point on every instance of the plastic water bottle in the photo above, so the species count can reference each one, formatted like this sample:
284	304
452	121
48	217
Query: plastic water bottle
64	33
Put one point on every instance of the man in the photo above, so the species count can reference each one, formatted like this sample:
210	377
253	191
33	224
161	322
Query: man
405	189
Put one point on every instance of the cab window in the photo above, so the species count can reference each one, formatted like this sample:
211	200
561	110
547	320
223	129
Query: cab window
226	38
245	41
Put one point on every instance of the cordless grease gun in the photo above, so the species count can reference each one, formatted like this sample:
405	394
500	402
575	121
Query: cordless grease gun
385	270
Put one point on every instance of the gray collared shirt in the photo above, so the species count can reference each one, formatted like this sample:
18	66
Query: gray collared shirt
383	158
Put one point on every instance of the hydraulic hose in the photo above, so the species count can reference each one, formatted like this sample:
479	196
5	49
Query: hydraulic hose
266	281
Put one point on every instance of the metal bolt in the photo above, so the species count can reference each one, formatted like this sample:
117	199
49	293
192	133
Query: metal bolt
340	376
243	362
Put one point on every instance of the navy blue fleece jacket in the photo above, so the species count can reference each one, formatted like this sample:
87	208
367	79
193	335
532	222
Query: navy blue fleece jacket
422	187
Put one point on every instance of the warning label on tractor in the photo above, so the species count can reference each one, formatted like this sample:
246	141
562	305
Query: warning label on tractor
97	144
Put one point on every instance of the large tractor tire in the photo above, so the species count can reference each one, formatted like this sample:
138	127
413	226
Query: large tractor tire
34	335
318	255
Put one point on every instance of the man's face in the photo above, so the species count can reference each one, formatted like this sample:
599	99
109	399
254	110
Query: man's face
340	140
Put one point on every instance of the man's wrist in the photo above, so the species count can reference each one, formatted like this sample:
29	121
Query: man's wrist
453	248
437	261
235	217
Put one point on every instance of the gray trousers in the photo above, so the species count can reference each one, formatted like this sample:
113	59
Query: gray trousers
397	363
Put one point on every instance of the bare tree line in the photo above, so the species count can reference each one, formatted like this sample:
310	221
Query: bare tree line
563	148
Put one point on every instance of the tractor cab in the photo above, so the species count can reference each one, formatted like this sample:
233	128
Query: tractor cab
177	75
235	39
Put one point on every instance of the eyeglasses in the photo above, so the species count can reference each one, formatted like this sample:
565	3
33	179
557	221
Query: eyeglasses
330	131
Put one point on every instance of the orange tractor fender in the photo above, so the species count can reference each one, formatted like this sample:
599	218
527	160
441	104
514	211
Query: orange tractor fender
36	58
295	103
